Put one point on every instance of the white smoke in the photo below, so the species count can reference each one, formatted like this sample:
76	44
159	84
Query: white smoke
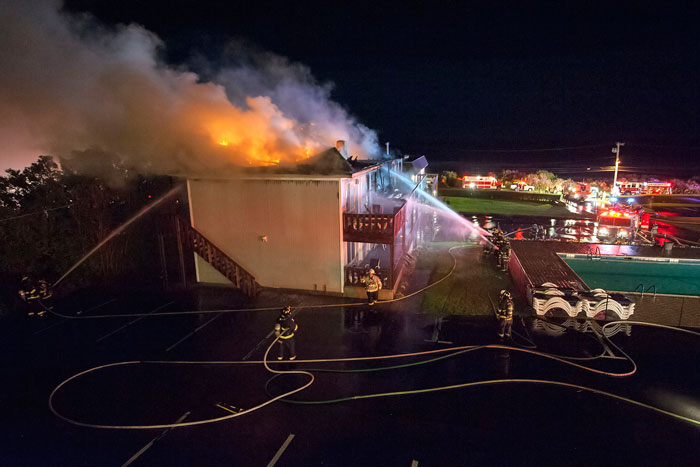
296	93
69	84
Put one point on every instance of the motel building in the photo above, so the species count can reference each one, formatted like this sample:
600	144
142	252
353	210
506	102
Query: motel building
318	226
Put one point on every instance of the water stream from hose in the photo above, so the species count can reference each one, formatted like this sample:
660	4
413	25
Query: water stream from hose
118	230
442	207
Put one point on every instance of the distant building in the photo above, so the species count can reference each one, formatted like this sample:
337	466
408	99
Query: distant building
317	226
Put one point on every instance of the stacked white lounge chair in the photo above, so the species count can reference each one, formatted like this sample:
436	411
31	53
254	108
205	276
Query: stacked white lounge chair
549	296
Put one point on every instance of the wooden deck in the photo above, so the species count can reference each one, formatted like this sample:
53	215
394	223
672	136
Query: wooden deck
541	264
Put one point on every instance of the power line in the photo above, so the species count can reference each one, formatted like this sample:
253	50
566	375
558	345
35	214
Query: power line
548	162
33	213
662	146
564	148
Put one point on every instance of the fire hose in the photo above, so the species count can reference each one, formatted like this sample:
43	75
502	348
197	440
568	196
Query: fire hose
284	397
309	372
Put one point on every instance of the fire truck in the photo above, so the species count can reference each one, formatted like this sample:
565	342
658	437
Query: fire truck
581	190
619	217
480	183
644	188
617	222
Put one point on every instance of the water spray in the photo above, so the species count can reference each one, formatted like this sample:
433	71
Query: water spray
118	230
436	203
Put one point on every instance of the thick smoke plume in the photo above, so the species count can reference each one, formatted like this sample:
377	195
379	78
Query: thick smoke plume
70	85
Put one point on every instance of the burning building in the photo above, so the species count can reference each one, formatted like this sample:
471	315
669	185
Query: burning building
317	226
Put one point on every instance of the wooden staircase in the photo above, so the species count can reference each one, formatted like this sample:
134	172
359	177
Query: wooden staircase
241	279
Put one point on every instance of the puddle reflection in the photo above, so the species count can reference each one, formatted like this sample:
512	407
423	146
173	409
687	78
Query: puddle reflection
557	327
543	228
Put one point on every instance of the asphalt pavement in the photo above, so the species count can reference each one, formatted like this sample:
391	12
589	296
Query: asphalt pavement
504	423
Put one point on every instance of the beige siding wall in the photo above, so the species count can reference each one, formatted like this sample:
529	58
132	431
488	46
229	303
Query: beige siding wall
300	218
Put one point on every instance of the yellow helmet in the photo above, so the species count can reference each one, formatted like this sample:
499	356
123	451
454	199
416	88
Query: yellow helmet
371	271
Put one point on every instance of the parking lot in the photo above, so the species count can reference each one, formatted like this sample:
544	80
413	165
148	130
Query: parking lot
497	423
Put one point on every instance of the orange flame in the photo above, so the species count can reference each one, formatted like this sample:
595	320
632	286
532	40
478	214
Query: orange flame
262	135
258	152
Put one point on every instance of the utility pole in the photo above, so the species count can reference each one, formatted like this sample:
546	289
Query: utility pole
616	151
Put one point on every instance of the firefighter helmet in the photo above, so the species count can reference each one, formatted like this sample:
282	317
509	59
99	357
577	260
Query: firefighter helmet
371	271
286	310
505	293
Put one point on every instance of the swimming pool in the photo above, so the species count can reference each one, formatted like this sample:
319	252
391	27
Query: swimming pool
626	273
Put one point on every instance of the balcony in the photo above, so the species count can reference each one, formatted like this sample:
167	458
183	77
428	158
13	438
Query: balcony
377	258
372	228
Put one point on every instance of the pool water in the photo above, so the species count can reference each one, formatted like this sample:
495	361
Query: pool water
626	274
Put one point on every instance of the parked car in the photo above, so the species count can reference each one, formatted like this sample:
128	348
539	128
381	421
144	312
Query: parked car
522	186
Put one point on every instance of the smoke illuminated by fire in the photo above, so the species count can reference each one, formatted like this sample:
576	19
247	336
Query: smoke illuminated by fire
71	85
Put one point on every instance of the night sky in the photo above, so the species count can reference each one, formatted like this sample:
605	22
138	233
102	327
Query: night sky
456	80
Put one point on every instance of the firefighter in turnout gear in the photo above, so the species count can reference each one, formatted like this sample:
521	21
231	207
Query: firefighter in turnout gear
284	332
505	314
30	292
503	255
373	284
501	247
490	246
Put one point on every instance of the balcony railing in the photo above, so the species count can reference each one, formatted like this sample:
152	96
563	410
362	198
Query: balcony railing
379	227
369	228
372	228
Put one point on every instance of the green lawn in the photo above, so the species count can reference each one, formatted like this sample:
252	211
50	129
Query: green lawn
467	291
508	208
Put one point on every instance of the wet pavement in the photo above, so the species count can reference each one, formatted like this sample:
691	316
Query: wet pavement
545	228
585	230
495	424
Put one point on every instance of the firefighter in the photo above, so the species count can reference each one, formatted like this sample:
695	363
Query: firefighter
490	245
31	292
505	314
498	237
284	332
504	255
494	243
373	284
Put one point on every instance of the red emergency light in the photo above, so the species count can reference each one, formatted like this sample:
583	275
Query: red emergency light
613	213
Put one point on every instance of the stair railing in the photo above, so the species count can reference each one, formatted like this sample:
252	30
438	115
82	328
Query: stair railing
241	279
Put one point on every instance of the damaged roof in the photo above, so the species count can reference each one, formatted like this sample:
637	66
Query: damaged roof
328	162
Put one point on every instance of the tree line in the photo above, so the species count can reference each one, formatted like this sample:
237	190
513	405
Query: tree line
546	181
51	215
